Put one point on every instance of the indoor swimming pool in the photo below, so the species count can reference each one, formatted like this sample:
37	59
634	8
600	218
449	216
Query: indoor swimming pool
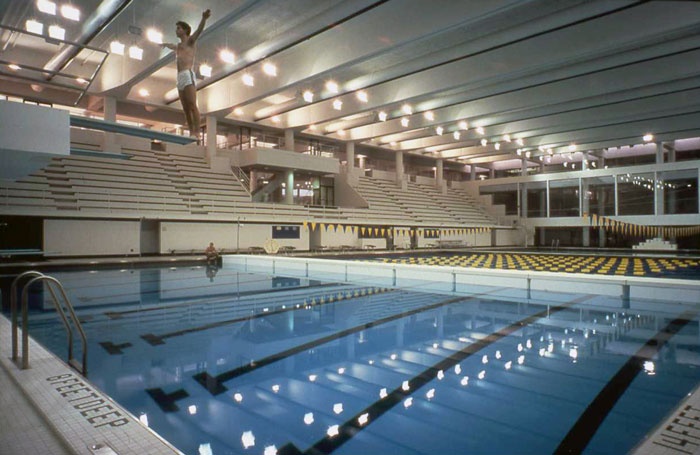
239	361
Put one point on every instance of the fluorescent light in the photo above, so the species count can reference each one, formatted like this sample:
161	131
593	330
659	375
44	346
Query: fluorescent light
227	56
308	96
648	137
116	47
45	6
14	67
382	116
337	105
80	80
332	87
69	12
35	27
205	70
270	69
154	36
248	80
136	52
57	32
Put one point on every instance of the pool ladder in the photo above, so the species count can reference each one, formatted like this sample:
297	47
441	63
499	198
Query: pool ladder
51	283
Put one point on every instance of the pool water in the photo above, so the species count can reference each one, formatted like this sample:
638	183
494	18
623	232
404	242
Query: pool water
229	362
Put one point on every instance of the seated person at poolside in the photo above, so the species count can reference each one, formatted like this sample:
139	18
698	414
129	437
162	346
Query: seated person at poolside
211	253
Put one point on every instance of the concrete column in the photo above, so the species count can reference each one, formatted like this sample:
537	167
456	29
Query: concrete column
523	200
439	172
211	135
523	167
350	156
492	174
289	193
289	140
110	115
472	172
659	153
399	166
585	208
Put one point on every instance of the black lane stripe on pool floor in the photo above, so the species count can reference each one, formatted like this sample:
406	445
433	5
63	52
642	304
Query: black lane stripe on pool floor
214	384
155	340
587	425
352	426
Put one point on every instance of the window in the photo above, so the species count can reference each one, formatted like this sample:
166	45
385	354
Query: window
286	232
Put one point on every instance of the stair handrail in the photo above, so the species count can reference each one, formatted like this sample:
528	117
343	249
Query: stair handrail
60	311
242	178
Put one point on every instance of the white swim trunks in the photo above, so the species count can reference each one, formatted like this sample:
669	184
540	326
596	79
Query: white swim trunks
185	78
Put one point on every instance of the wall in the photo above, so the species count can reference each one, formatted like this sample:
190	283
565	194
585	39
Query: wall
184	236
30	136
91	237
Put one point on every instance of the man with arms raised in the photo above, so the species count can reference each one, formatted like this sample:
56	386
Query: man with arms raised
184	51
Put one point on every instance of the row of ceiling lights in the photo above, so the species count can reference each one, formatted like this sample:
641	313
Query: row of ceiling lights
50	8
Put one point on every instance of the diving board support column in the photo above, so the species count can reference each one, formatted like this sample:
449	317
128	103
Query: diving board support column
211	136
289	193
110	114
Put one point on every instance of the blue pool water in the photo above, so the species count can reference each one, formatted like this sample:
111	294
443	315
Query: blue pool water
231	362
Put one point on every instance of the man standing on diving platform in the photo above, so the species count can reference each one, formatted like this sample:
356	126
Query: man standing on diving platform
185	51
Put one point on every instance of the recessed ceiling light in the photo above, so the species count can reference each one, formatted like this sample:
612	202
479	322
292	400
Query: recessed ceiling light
572	147
135	52
463	125
270	69
404	122
337	105
497	145
154	36
227	56
116	47
648	137
506	137
332	86
80	80
480	129
70	12
248	80
14	67
308	96
484	142
429	115
34	27
362	96
45	6
407	109
382	116
456	135
238	111
520	141
205	70
143	92
57	32
276	119
439	130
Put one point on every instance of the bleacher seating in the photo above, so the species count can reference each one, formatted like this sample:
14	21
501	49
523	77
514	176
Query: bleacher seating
142	182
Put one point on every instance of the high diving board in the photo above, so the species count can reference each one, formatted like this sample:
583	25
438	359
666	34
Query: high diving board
112	127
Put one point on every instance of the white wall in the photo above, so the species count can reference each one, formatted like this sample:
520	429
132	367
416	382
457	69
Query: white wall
91	237
181	236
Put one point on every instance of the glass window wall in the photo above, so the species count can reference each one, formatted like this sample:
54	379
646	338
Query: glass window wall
635	194
679	191
564	198
599	195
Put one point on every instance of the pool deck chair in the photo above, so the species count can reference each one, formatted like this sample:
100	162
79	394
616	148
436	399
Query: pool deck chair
112	127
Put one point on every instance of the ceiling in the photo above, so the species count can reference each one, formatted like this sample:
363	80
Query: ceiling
555	75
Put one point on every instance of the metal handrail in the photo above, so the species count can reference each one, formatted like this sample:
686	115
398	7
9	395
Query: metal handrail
59	309
13	308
